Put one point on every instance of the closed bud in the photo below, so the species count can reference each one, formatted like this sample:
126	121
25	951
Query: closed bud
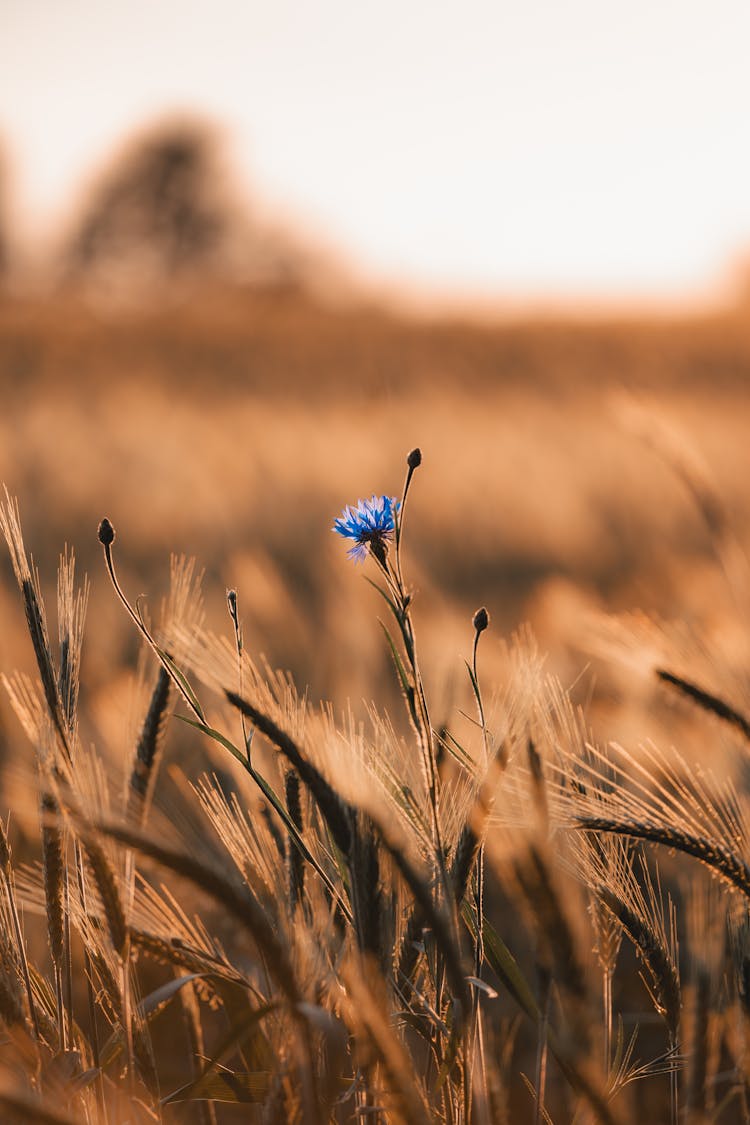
414	460
481	620
106	532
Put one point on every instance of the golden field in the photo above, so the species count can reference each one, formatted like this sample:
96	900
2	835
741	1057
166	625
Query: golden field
234	427
575	473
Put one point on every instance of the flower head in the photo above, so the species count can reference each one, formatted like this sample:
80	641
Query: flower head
371	524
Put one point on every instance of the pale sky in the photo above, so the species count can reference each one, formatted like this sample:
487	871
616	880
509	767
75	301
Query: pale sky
563	148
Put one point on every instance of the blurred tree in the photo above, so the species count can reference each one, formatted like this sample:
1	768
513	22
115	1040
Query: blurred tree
160	208
166	211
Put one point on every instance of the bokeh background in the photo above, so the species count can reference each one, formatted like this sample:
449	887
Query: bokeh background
252	254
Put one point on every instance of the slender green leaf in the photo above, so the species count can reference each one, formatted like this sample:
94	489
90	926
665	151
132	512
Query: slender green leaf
386	596
457	752
406	686
504	964
474	684
216	735
181	679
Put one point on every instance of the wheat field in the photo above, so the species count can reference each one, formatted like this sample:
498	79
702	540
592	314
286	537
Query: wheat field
457	833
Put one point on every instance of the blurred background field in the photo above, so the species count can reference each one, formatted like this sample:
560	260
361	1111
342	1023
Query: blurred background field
234	425
220	386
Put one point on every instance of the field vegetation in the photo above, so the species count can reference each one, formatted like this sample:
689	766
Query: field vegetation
458	834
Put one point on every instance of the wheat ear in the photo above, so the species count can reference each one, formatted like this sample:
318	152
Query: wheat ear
719	858
654	954
295	864
337	813
708	702
148	747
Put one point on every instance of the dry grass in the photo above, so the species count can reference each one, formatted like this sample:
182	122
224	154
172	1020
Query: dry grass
469	902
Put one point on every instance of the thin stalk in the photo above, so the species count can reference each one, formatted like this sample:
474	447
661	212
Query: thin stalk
674	1088
607	1006
428	752
476	1101
127	1018
413	461
95	1047
67	949
480	622
545	983
424	732
107	538
418	708
247	738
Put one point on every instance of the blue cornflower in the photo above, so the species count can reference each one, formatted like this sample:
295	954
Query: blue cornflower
371	524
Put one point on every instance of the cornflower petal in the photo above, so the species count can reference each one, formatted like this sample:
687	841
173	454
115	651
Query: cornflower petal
371	525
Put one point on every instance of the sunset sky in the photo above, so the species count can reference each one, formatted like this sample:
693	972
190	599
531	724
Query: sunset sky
560	149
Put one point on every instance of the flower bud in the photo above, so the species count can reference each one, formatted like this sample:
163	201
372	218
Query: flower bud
414	460
106	533
481	620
